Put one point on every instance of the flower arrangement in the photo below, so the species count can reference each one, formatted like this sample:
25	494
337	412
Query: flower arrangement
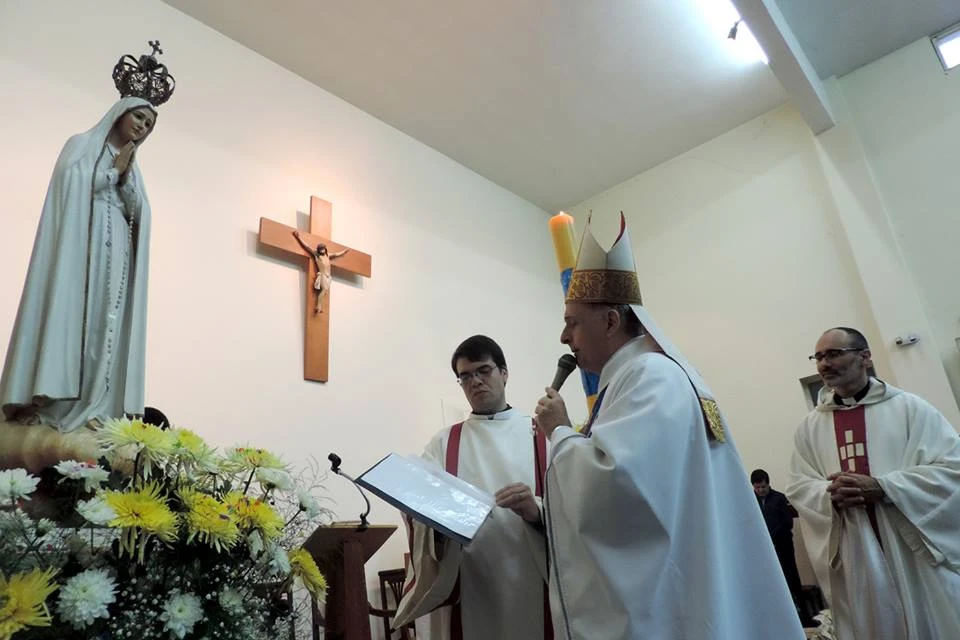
825	631
165	538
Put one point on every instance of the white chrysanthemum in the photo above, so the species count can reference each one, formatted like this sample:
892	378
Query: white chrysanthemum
71	468
308	503
44	526
16	484
231	601
151	445
93	475
278	560
96	510
85	598
274	478
180	613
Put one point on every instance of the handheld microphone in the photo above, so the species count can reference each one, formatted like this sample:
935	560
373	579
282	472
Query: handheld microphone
335	467
565	366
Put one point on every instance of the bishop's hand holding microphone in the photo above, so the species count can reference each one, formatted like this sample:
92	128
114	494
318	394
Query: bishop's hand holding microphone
551	412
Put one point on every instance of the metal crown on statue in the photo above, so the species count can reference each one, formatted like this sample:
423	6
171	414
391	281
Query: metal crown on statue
144	78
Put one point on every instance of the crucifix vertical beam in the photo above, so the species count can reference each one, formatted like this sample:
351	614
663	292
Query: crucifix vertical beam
316	339
316	330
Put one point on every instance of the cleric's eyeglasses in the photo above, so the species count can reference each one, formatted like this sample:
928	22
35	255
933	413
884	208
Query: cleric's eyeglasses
832	354
482	372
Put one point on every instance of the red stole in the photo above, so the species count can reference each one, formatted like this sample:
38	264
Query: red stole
850	428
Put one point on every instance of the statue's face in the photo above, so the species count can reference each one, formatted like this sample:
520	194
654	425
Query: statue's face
135	125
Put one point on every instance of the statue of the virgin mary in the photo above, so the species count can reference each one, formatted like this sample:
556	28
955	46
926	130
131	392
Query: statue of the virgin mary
76	355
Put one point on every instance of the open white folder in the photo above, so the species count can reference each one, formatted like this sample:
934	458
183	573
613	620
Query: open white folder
430	495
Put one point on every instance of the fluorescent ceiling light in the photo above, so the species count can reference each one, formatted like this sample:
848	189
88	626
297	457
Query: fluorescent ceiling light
947	45
746	46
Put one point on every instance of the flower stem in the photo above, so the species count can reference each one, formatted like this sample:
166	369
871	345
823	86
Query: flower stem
249	480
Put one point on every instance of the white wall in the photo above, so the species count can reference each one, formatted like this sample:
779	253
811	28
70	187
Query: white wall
743	262
753	243
906	112
741	254
242	138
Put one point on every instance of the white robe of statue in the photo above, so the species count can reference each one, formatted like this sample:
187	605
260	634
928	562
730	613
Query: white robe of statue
503	570
653	529
912	580
77	349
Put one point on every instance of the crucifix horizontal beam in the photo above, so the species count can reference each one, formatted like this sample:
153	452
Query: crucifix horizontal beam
340	258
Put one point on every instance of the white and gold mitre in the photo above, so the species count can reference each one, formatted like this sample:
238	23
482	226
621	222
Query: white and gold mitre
605	276
610	277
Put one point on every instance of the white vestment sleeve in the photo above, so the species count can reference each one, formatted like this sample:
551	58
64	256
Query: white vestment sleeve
537	542
431	575
926	490
807	492
593	479
595	474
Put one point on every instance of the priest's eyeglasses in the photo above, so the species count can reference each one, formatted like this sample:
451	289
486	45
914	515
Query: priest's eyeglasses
483	373
831	354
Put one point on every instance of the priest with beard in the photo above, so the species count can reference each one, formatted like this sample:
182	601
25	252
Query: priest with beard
875	476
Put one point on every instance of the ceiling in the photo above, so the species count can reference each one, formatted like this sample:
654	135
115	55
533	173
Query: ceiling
556	100
841	36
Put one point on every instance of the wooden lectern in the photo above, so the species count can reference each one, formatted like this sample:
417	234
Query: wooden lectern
340	551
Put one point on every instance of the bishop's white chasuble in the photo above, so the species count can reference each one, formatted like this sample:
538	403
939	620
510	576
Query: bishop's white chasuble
653	529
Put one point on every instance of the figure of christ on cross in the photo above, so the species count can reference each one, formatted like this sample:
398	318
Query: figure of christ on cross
299	246
322	258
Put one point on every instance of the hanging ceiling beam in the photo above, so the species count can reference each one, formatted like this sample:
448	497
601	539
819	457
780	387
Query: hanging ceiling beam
788	61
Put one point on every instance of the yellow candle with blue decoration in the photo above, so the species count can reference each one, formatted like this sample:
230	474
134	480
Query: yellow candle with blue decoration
561	228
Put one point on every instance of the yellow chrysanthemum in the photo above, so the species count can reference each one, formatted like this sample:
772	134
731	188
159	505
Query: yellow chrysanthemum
208	520
23	601
141	513
249	513
192	449
249	459
152	443
303	566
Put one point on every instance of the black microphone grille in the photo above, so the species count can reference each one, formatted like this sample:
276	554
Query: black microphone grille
567	361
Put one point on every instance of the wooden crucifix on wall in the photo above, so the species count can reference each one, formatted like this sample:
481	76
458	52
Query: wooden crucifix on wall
321	255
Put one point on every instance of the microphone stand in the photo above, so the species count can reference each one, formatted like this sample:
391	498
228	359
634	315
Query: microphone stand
335	467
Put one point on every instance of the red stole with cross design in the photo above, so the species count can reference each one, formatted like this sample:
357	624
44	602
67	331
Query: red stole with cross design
850	428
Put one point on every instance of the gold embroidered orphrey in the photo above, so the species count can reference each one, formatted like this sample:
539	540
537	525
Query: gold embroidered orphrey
604	285
711	414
